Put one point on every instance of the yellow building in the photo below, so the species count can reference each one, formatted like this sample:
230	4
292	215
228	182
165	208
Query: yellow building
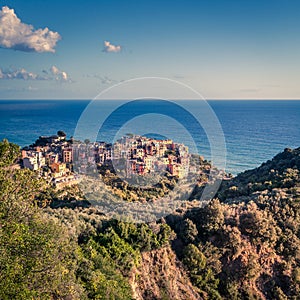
58	168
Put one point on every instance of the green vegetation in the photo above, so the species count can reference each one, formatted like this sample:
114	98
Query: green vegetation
61	133
250	241
36	254
281	172
201	275
245	244
9	152
161	186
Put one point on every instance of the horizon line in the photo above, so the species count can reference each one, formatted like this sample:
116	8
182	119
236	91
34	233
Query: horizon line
177	99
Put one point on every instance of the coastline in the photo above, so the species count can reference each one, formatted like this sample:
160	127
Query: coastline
254	130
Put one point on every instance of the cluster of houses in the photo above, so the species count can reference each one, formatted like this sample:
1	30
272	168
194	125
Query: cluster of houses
136	154
52	156
56	157
146	155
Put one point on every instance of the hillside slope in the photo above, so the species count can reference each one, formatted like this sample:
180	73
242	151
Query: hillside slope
161	276
245	244
280	172
250	237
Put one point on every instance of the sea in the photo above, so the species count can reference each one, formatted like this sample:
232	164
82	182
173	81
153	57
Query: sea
253	130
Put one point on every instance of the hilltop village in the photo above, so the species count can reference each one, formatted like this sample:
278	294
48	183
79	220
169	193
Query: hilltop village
139	155
54	157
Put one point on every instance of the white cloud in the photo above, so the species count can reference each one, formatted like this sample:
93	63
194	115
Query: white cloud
108	47
20	74
19	36
54	74
59	74
54	70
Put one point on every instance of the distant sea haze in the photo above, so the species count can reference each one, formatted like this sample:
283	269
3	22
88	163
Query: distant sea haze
254	131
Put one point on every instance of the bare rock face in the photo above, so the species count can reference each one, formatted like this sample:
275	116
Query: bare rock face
161	276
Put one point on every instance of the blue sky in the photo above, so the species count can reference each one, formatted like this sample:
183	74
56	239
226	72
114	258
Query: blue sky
224	49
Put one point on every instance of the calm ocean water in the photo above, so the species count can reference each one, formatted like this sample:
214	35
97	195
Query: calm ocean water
254	130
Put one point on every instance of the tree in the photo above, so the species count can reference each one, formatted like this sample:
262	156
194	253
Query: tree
213	216
36	253
61	133
194	259
259	225
187	231
99	273
200	274
9	152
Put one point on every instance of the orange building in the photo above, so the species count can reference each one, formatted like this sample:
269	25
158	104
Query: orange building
58	167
